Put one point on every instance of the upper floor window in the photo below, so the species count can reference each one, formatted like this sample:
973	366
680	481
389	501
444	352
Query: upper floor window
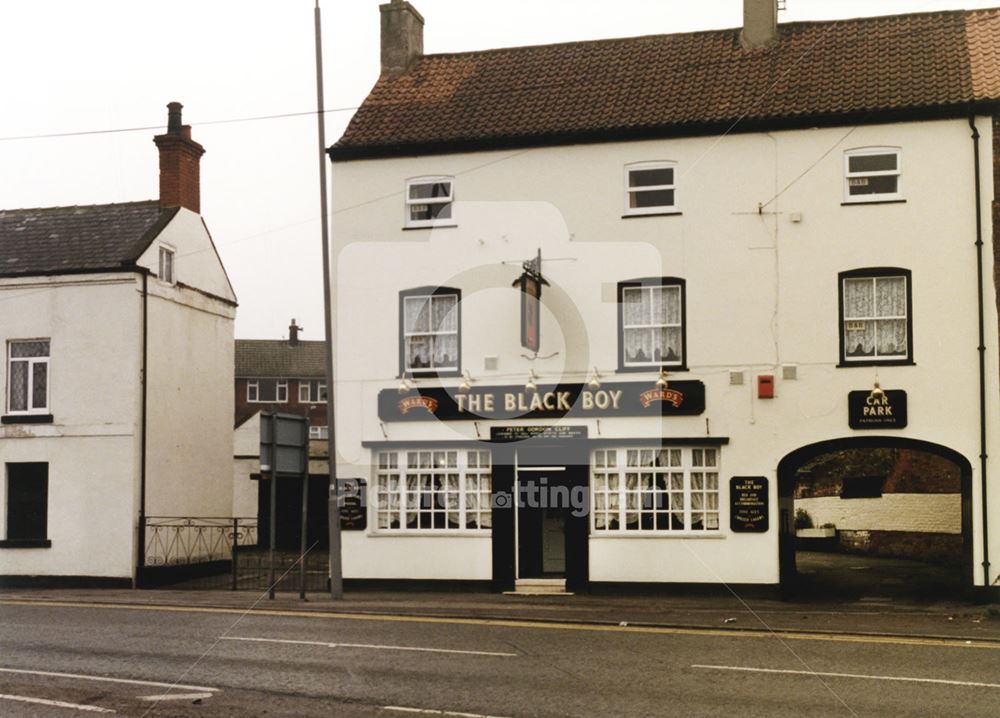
430	323
267	391
875	312
651	330
871	174
312	391
28	376
166	268
429	201
650	188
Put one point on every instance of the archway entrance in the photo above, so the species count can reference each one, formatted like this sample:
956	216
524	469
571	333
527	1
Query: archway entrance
875	518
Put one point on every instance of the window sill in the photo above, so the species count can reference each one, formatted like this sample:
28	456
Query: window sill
431	375
876	362
852	203
26	543
430	226
430	533
664	213
716	534
27	419
653	369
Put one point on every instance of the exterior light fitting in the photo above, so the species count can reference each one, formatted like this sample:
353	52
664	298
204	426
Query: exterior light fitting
661	382
466	384
877	394
404	386
531	386
595	380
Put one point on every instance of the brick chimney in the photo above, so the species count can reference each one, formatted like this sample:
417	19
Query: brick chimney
293	334
402	36
180	184
760	23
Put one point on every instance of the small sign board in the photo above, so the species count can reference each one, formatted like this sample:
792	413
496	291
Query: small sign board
286	436
531	293
748	504
505	434
870	410
351	500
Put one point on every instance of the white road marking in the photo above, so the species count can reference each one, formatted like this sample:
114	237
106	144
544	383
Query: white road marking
56	704
176	697
104	679
901	679
431	712
368	645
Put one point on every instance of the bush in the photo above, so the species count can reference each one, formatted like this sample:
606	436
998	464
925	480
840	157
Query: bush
802	519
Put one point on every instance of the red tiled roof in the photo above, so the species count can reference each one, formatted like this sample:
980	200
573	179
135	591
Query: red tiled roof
680	84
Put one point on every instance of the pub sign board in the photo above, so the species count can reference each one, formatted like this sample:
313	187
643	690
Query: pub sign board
553	401
531	293
351	501
748	504
869	410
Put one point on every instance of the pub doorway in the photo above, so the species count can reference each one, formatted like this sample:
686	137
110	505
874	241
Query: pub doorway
878	519
542	508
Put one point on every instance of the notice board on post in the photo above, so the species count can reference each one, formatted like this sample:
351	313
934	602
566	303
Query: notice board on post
286	436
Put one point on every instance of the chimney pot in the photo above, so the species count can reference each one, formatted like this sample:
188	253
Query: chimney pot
760	23
180	158
293	333
402	36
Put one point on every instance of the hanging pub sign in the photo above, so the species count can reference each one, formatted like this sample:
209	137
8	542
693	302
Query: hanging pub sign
553	401
530	283
876	409
748	504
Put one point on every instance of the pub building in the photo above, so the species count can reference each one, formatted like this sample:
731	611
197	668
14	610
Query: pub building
585	341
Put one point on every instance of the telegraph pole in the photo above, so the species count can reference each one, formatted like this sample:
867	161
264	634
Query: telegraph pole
333	501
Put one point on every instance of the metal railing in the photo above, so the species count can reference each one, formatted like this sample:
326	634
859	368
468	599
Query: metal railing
201	543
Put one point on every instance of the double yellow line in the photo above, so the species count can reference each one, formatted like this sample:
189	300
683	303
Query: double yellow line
531	625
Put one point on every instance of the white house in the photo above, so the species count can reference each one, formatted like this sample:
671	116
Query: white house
117	334
756	245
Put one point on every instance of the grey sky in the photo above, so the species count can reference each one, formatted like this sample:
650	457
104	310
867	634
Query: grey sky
103	64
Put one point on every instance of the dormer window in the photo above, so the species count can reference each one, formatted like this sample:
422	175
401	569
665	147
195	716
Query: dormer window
165	272
429	202
871	174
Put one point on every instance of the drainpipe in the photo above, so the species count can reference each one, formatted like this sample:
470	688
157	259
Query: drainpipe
142	431
982	353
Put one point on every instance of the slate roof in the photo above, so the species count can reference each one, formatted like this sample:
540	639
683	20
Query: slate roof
99	237
690	83
276	359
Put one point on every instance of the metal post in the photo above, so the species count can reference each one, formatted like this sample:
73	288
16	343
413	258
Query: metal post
274	506
302	544
236	529
333	507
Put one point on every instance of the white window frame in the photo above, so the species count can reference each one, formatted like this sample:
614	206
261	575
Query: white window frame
473	478
319	432
31	362
857	176
408	203
305	391
629	189
167	251
688	466
280	387
648	289
432	369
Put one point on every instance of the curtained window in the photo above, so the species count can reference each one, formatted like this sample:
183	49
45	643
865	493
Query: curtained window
651	323
430	331
875	316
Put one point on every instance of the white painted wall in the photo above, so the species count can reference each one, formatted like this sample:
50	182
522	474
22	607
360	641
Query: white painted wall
934	513
761	292
92	445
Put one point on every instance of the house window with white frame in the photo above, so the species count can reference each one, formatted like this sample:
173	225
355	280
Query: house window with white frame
267	391
651	323
430	326
872	174
876	325
433	490
430	201
319	432
655	490
650	188
312	391
28	376
165	272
